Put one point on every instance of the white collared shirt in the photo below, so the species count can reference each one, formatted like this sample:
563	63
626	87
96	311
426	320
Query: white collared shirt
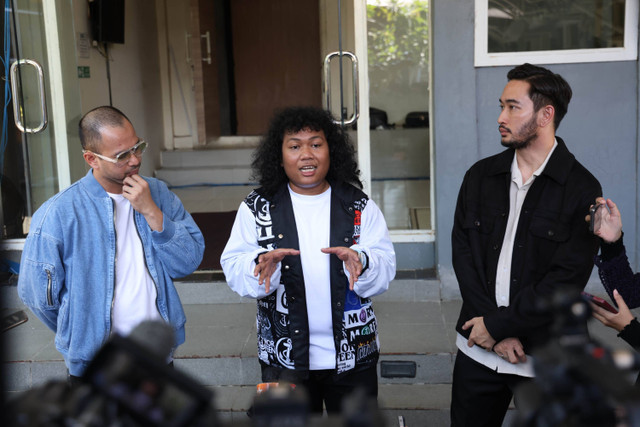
517	193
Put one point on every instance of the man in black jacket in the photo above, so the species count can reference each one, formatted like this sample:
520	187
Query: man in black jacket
519	234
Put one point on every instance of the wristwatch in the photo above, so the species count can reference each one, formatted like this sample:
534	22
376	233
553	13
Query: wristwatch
364	260
257	259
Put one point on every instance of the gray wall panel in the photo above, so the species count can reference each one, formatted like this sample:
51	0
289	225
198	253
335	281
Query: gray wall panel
601	127
456	146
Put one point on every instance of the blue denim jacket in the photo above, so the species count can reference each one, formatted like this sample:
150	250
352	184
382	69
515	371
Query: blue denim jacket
67	271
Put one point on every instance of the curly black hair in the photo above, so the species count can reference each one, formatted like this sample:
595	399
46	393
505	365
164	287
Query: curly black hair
267	159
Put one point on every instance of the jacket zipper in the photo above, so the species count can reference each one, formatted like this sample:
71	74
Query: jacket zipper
49	289
144	255
115	270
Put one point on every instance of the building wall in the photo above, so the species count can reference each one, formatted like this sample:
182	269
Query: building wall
134	70
600	128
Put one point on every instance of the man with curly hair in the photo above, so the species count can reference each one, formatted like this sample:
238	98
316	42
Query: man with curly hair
312	248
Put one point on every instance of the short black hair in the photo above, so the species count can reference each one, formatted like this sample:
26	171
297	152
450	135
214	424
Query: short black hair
92	122
267	159
545	87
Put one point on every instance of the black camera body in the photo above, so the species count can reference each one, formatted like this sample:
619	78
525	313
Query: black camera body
577	382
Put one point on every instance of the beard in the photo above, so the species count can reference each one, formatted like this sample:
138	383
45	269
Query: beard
522	137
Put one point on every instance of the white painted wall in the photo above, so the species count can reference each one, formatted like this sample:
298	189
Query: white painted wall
135	79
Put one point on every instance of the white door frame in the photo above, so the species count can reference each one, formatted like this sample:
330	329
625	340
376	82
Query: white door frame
363	132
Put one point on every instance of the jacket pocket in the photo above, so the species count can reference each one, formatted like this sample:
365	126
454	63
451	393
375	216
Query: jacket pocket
483	224
549	229
42	289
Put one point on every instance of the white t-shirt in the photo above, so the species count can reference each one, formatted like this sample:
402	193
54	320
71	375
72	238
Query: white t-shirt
312	214
135	292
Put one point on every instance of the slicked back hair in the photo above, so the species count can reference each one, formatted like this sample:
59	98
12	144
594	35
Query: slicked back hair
267	159
545	87
92	123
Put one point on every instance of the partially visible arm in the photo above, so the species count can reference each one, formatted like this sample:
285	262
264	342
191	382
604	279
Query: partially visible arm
239	255
42	277
616	273
466	267
613	265
617	321
180	244
631	334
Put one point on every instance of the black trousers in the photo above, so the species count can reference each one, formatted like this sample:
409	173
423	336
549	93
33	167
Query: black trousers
480	396
324	387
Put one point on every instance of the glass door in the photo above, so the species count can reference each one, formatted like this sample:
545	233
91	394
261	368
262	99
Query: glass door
41	93
389	42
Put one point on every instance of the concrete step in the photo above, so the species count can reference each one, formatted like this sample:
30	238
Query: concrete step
415	325
216	175
208	288
419	404
221	166
206	158
221	336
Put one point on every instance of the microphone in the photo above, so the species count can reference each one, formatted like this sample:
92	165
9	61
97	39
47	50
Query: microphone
626	359
127	383
132	371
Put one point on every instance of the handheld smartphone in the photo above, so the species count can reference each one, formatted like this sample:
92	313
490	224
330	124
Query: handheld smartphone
595	212
599	302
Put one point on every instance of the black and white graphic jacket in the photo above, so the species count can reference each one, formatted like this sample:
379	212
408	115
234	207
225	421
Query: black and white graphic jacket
282	322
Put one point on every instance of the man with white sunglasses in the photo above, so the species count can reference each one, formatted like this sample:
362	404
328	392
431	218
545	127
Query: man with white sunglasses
102	254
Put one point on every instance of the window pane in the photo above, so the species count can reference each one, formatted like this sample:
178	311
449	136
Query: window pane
398	52
534	25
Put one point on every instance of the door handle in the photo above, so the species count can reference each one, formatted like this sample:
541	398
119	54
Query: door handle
187	47
327	85
208	39
18	110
